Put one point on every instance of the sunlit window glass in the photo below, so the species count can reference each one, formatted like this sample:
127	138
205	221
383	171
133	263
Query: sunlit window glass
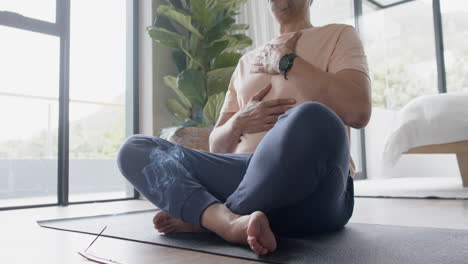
455	24
29	89
97	99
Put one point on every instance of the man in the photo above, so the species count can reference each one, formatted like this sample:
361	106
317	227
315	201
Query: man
279	160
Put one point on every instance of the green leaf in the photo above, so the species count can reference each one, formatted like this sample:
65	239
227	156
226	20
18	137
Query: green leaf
180	59
219	30
171	81
191	83
236	4
181	19
201	12
218	80
164	22
177	109
215	49
194	47
192	59
237	42
229	5
239	27
213	107
179	4
226	60
165	37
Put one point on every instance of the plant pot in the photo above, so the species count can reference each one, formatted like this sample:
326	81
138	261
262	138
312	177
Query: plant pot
192	137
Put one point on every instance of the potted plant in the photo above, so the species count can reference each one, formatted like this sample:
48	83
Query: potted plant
206	42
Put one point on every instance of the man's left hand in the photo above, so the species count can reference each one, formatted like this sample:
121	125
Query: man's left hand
267	59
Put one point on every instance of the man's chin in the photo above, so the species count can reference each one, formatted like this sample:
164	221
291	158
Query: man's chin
280	11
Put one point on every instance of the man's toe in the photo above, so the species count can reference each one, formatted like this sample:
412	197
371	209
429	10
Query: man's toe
254	244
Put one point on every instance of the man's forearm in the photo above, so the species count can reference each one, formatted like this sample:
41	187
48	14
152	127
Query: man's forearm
224	138
350	102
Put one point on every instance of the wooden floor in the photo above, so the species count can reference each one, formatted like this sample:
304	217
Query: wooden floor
23	241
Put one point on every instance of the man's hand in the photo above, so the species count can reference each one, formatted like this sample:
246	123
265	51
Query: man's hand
267	60
257	115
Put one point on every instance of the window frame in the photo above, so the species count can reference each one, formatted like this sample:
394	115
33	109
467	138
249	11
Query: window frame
439	52
61	29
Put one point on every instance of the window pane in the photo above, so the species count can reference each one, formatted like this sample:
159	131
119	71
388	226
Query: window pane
455	23
401	52
29	114
39	9
97	94
31	61
400	46
332	11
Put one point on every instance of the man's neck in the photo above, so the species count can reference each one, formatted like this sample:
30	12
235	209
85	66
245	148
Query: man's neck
294	26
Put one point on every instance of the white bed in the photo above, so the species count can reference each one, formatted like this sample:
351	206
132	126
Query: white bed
431	124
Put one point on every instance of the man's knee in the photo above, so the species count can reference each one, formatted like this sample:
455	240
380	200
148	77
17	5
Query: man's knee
129	154
316	112
314	118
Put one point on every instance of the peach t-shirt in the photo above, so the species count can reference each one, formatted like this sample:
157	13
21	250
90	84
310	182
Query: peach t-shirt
332	48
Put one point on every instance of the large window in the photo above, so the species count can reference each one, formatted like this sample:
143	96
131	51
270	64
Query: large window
400	51
66	100
455	24
401	39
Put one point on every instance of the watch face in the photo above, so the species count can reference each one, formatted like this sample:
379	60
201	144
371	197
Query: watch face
283	63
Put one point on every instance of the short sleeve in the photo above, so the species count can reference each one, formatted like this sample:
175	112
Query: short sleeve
230	100
348	53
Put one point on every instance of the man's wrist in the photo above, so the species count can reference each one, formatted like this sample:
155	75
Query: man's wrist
297	61
236	125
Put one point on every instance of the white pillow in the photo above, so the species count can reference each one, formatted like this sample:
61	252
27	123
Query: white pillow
427	120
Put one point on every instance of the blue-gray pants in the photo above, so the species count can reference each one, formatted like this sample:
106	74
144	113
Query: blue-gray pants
298	175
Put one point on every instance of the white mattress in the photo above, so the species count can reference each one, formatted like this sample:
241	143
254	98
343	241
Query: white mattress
427	120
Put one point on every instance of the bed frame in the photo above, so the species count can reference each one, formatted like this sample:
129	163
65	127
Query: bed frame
460	148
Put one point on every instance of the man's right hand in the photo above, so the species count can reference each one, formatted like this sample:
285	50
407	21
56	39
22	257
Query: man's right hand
257	115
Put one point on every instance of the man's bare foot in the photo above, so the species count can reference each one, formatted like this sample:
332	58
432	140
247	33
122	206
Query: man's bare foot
167	224
252	230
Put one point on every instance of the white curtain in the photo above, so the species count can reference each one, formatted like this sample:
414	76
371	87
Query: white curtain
263	26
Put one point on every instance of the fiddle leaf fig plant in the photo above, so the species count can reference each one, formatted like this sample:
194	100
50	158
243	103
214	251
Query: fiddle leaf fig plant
206	42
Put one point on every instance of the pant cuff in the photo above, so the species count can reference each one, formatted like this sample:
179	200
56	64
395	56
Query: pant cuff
195	204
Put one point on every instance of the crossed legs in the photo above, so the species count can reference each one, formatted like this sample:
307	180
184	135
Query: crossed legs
297	180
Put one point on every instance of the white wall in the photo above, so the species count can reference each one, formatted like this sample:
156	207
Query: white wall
155	62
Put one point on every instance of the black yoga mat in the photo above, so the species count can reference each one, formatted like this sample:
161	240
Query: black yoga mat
356	243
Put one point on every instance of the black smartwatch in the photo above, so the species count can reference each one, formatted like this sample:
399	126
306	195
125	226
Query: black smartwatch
286	63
